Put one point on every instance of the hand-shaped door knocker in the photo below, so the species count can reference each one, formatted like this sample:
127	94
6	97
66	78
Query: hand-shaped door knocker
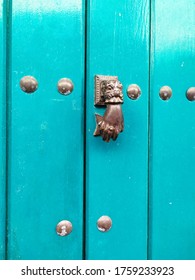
108	91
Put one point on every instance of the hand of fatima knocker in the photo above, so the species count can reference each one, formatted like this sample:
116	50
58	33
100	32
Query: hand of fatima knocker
112	123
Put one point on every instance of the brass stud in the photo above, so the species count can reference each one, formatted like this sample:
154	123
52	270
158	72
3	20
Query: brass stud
134	91
165	93
104	223
65	86
64	228
28	84
190	94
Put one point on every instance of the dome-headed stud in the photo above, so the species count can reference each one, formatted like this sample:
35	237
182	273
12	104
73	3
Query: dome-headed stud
65	86
28	84
190	94
165	93
64	228
104	223
133	91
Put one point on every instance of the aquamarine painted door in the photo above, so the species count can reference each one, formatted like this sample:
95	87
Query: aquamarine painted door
44	131
172	134
2	134
54	169
117	172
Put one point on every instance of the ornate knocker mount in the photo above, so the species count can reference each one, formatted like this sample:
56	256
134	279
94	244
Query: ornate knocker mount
108	92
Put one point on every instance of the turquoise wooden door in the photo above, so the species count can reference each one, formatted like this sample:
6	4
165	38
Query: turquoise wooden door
2	136
172	135
54	169
44	131
116	172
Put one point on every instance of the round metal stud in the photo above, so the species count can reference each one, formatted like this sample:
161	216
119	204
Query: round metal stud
65	86
64	228
134	91
28	84
104	223
165	93
190	94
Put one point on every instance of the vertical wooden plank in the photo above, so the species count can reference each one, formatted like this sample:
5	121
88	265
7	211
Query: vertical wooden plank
172	178
116	181
45	130
2	132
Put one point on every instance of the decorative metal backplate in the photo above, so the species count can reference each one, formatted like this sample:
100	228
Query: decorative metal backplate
99	96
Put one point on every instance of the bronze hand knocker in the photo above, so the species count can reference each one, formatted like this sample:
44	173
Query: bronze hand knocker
108	91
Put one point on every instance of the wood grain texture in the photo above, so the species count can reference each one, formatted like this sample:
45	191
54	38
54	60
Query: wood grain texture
2	132
118	44
46	131
172	181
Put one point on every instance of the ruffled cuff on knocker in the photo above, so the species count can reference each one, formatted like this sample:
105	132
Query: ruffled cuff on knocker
114	100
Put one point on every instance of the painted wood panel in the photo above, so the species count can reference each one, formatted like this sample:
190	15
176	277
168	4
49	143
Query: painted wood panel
116	172
172	181
46	130
2	131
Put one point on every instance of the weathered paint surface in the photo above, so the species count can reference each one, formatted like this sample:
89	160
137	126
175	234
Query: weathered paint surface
118	44
172	180
45	150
